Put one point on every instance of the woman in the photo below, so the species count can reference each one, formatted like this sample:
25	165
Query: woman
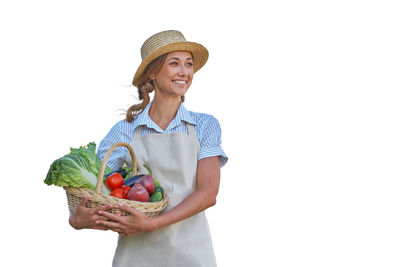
183	150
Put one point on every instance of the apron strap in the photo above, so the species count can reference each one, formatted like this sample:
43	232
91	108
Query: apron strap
191	130
138	131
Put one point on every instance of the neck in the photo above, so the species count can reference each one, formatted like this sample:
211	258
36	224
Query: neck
163	110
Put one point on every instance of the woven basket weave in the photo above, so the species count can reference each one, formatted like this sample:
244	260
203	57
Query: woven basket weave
98	199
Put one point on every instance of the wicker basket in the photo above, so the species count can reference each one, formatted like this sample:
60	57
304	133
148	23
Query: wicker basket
97	198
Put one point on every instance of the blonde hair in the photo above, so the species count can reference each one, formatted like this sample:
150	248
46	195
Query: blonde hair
145	87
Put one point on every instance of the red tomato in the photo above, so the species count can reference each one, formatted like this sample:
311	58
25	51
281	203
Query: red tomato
118	192
126	189
115	180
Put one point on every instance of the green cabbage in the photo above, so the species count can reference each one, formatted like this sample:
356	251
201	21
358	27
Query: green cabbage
79	168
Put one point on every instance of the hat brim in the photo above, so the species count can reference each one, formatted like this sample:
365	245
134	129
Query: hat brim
199	53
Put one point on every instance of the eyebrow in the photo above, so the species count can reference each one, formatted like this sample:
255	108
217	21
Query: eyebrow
175	58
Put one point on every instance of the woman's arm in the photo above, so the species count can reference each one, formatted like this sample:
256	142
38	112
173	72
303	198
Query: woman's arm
205	195
207	186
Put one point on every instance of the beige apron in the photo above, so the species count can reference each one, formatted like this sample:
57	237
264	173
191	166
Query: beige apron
173	160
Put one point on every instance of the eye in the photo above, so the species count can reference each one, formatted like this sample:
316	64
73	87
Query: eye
173	63
190	64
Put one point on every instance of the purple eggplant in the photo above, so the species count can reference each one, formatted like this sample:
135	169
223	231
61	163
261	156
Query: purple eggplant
132	180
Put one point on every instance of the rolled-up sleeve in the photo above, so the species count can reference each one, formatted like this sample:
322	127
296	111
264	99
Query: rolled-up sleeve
210	142
118	156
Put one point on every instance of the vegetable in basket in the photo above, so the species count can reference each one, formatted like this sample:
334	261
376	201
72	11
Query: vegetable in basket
124	171
133	180
141	187
79	168
114	180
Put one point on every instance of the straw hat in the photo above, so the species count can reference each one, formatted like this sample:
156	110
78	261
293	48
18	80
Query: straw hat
168	41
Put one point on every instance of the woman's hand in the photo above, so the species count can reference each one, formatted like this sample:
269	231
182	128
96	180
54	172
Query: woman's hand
134	223
85	218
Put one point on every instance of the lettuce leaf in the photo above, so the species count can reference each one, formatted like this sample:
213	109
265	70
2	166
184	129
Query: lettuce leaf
79	168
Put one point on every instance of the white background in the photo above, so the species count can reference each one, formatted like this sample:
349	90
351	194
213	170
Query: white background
306	93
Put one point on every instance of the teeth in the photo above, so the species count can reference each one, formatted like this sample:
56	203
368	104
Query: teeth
180	82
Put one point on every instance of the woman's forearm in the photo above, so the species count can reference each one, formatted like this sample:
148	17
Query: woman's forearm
196	202
207	179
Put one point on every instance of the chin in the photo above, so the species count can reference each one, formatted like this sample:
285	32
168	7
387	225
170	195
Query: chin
180	92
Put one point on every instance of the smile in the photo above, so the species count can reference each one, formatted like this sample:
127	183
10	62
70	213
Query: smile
180	82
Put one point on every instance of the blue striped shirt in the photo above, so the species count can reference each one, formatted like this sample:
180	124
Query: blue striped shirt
207	129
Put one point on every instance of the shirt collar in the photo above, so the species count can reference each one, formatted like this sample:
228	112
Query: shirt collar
182	115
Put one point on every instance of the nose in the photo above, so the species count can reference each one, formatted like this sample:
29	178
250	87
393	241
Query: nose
183	71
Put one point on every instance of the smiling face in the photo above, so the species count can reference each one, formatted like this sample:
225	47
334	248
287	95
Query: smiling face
175	75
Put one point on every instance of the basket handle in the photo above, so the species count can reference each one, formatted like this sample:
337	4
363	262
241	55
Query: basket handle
99	186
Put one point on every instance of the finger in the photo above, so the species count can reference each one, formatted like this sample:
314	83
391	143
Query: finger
85	199
108	224
100	218
105	207
110	216
128	209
